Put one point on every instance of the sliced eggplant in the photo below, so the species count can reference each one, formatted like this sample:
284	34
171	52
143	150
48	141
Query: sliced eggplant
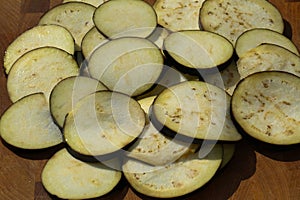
36	37
231	18
127	65
266	106
103	123
198	50
268	57
158	36
155	148
66	177
39	70
77	17
68	92
95	3
121	18
254	37
226	79
28	124
91	41
194	110
186	175
178	15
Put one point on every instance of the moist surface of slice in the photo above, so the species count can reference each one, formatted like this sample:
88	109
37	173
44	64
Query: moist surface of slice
36	37
127	65
254	37
77	17
69	178
153	147
103	123
68	92
28	124
231	18
92	40
266	106
39	71
194	109
268	57
185	175
121	18
198	50
178	15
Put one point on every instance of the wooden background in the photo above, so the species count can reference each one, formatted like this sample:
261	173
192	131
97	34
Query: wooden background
256	172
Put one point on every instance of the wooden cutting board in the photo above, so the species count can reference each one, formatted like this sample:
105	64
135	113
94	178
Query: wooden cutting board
257	171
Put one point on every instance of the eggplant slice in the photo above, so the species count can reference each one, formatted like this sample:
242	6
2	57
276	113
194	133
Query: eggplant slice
230	18
77	17
178	15
186	175
195	110
95	3
198	50
28	124
266	106
121	18
255	37
268	57
127	65
155	148
68	92
36	37
40	70
69	178
103	123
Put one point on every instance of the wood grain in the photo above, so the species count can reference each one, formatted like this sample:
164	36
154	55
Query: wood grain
257	171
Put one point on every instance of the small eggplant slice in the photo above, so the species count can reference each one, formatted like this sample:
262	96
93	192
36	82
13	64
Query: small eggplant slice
266	106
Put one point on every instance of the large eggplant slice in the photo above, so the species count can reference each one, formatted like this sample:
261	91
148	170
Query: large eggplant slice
185	175
36	37
196	110
103	123
155	148
198	50
77	17
28	124
127	65
68	92
266	106
40	70
69	178
255	37
268	57
231	18
121	18
178	15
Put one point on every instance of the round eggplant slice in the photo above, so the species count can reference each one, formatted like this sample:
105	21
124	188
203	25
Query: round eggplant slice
28	124
127	65
68	92
198	50
40	70
231	18
121	18
91	41
185	175
36	37
69	178
95	3
268	57
196	111
178	15
153	147
103	123
266	106
255	37
77	17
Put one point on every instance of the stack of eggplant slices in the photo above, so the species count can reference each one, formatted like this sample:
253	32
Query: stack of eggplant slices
157	93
